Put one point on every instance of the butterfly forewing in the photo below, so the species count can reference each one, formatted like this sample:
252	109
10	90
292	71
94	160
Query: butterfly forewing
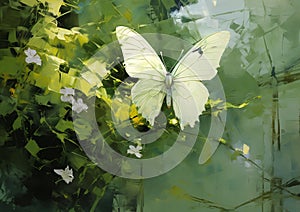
140	59
213	47
201	61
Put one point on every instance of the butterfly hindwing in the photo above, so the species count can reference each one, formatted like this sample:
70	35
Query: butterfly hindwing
148	95
189	100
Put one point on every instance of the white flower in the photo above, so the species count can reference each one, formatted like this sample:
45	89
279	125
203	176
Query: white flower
135	150
67	174
79	106
68	94
32	57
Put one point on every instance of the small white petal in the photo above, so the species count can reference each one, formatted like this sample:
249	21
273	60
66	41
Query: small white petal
79	106
138	155
132	147
80	101
67	98
58	171
38	61
129	151
76	109
67	91
28	60
69	170
30	52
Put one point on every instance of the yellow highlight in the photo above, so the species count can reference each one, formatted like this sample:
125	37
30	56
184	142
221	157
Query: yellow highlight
173	121
135	117
12	91
127	14
246	149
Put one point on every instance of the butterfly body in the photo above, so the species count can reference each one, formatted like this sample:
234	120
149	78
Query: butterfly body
182	87
168	83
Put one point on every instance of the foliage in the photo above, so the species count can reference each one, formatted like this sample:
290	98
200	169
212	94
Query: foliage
36	127
37	134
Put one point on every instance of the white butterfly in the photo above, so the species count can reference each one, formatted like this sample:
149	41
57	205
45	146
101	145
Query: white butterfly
182	87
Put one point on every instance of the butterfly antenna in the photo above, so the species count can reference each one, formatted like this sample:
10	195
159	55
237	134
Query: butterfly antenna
162	58
119	61
180	56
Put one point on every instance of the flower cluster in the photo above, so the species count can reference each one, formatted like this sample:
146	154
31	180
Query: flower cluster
32	57
68	96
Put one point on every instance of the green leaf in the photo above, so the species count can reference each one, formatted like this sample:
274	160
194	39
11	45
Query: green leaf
32	147
9	65
40	43
48	72
53	5
82	85
96	71
159	9
77	160
42	100
61	137
98	191
30	3
107	177
235	154
62	125
7	105
83	128
17	123
12	36
4	135
61	80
